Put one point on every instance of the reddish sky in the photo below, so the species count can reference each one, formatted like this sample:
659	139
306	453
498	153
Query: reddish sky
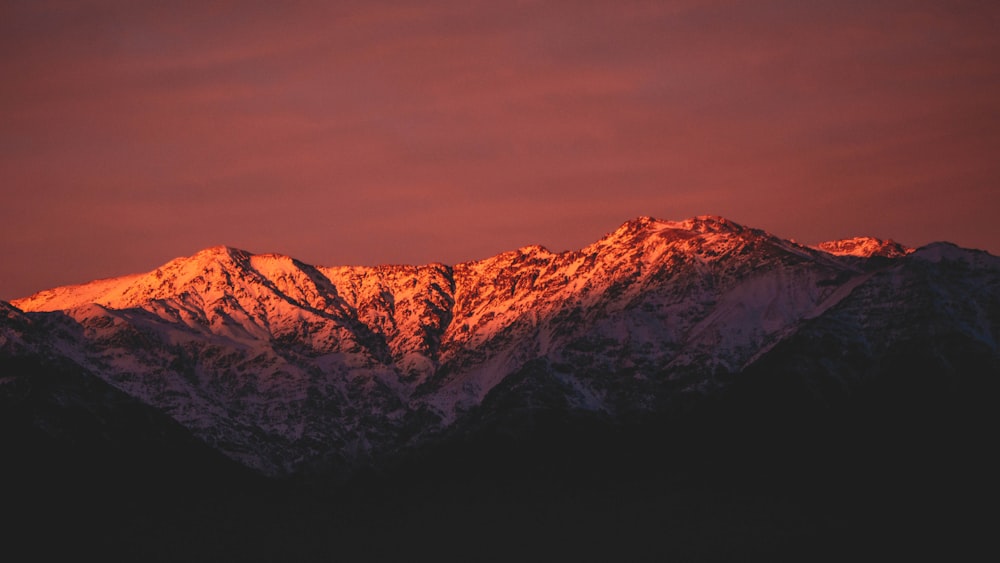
408	132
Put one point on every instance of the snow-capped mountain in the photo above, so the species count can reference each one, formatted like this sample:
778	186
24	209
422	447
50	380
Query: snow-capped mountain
285	366
864	247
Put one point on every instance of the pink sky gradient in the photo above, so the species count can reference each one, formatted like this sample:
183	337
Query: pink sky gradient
411	132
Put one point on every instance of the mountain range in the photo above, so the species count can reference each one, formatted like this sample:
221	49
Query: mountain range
705	334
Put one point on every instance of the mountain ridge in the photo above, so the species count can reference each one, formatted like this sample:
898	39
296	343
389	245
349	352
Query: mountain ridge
697	224
284	366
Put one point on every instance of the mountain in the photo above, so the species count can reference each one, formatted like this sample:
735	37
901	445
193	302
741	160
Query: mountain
864	247
665	358
284	366
280	364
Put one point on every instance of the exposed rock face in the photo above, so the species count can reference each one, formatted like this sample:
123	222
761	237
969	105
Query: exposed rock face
285	366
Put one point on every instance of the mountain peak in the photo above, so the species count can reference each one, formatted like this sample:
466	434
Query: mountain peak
700	227
219	252
216	262
218	249
864	247
706	224
697	224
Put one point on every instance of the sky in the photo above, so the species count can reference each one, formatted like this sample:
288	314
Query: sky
133	132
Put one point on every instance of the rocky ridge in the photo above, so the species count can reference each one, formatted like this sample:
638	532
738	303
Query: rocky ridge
288	367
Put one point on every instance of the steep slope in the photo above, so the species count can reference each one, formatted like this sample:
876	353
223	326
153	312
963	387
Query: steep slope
71	442
407	307
926	324
892	392
651	302
250	352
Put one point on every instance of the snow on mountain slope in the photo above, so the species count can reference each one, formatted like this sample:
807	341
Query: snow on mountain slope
864	247
283	366
408	307
236	347
692	297
925	325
